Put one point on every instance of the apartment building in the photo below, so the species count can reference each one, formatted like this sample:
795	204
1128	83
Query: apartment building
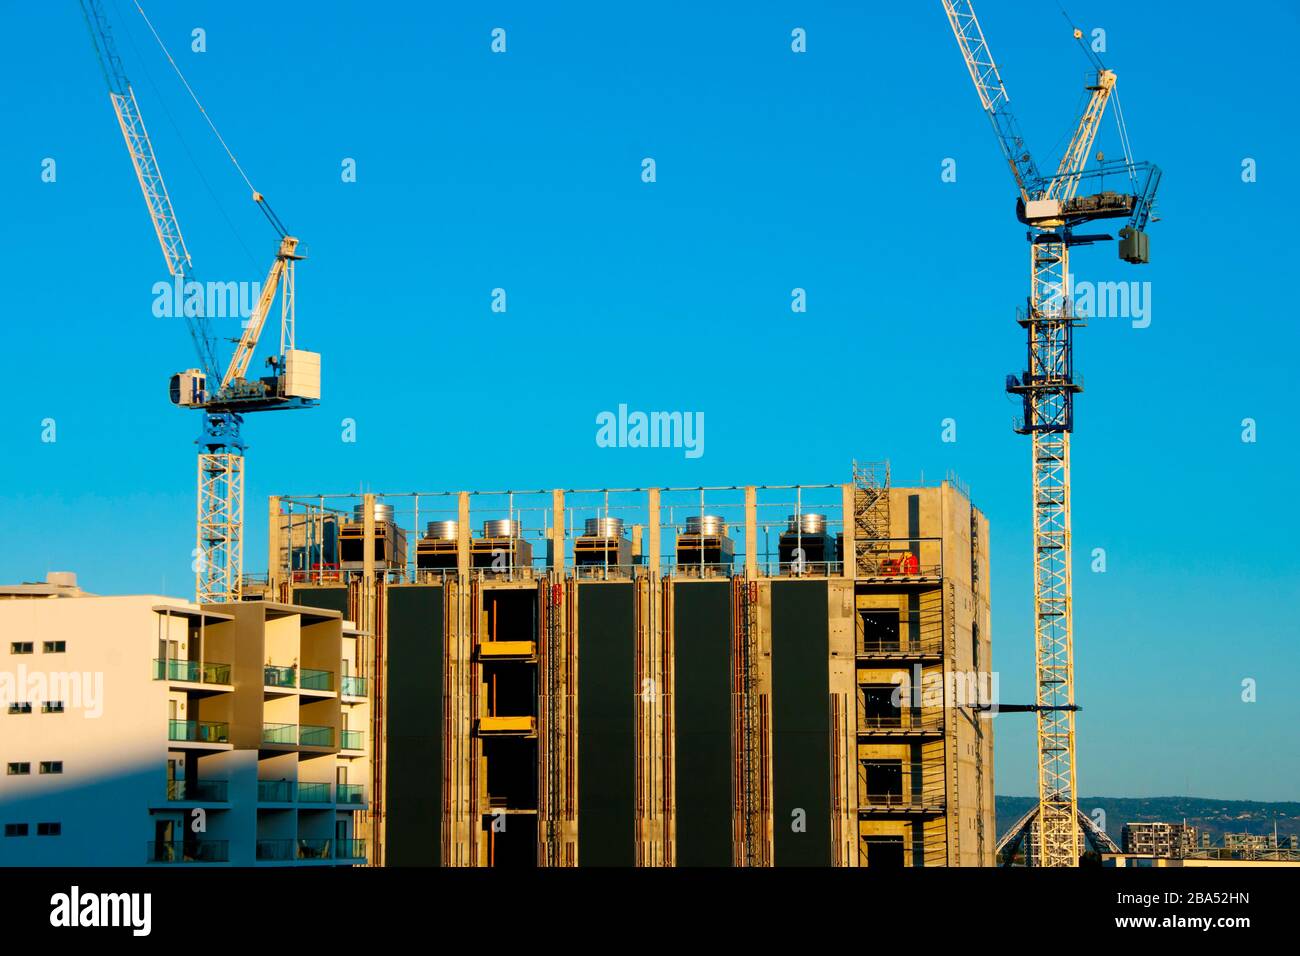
1159	839
147	730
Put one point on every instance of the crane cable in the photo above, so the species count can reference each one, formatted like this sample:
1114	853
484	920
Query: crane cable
257	196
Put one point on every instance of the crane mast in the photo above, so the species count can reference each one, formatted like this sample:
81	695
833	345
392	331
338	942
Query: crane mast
1051	208
295	379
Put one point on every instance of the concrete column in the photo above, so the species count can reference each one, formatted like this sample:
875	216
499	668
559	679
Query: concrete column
368	533
653	556
557	529
462	534
848	508
751	532
273	548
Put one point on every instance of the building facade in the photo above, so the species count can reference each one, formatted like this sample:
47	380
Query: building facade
146	730
751	676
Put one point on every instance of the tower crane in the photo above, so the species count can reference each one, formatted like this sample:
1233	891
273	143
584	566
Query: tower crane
294	379
1053	209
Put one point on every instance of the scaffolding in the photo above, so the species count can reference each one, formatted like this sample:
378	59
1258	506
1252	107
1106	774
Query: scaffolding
870	514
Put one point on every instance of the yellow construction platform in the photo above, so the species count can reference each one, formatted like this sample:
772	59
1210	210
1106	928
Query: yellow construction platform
507	725
497	649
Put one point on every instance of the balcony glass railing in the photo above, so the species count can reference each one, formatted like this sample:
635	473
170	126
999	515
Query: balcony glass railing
276	676
275	791
193	672
316	680
300	849
314	793
276	850
199	731
206	791
315	849
351	739
188	851
316	736
354	686
280	734
349	849
351	793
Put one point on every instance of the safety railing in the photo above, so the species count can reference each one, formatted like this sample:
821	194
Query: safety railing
191	672
188	851
199	731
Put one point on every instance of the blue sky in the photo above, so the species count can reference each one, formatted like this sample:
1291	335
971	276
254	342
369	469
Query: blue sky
775	171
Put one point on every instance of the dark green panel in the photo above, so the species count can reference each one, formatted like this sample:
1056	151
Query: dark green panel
702	717
414	732
606	725
329	599
801	759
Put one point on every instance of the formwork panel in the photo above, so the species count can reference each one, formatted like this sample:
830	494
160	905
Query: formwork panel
702	720
328	599
606	725
801	761
414	735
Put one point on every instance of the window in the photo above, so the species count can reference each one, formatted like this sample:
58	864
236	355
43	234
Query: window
55	647
52	707
20	647
24	708
51	766
19	769
879	629
49	829
15	829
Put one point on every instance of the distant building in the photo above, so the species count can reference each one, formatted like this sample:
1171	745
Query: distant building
1176	844
144	729
1159	839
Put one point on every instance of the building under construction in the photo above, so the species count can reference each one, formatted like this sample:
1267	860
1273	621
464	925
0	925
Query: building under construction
748	675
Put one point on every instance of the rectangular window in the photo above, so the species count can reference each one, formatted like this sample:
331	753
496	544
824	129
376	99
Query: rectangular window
23	708
19	769
15	829
51	766
49	829
52	707
20	647
55	647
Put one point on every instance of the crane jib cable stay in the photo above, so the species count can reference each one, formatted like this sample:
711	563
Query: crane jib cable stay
1053	208
294	381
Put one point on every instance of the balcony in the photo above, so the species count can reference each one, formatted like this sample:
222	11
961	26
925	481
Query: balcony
349	849
275	791
351	740
198	791
300	849
199	731
902	723
315	680
314	793
282	735
191	672
310	736
188	851
900	787
275	676
354	686
352	793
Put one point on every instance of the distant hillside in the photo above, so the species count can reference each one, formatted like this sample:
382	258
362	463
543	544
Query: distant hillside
1215	816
